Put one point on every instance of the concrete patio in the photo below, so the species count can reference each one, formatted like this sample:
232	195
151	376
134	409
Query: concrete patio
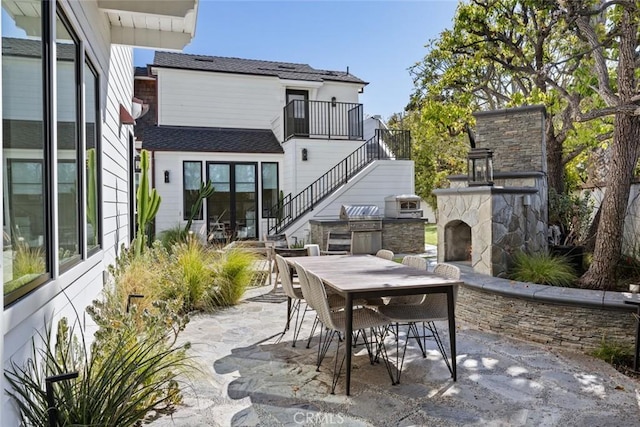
251	376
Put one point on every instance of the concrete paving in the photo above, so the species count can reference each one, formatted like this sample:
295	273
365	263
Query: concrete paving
250	375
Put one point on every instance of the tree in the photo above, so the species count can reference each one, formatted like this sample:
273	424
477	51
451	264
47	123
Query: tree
608	32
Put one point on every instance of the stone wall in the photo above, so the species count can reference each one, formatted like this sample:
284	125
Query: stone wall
516	136
561	326
404	236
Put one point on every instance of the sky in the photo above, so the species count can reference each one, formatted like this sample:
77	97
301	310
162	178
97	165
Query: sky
377	40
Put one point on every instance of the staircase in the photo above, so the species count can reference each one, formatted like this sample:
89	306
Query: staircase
384	145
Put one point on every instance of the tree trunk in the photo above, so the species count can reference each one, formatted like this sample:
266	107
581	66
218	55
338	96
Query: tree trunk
624	156
555	168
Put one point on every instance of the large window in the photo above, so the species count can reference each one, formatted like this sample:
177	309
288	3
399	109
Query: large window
191	179
269	188
33	182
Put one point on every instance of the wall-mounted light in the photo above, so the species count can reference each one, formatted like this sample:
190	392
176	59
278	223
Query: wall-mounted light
305	154
136	164
333	101
166	177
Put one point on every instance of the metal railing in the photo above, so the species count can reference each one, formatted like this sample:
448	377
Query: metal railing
323	119
384	145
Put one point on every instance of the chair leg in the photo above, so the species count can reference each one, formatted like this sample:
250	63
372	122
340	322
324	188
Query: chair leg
324	345
298	325
313	331
440	345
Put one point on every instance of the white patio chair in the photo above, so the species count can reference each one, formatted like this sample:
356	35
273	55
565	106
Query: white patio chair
432	308
334	323
385	254
294	299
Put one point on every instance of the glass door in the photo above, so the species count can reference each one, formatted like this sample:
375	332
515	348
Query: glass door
232	208
298	113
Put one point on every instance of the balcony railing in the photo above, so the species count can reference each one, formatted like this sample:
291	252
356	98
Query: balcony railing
323	119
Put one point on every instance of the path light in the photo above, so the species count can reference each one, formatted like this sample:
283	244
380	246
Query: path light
480	166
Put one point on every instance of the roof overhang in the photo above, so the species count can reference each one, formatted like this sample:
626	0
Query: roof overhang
162	24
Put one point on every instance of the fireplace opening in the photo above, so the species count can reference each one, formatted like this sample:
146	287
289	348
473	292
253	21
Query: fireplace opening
457	241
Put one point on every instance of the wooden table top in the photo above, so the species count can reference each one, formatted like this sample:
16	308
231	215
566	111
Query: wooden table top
363	273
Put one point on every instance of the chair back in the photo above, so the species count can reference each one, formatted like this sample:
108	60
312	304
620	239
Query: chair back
285	277
318	299
304	284
415	261
447	270
385	253
339	242
280	241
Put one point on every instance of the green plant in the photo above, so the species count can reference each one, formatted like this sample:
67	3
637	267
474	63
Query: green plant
173	235
27	260
614	353
569	218
431	234
543	268
148	202
92	201
232	273
205	191
129	370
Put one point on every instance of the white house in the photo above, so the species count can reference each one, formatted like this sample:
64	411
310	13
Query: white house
257	128
67	151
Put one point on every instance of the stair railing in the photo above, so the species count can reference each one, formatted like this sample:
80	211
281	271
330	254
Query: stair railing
384	145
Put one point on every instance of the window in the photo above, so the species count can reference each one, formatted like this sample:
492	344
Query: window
192	179
92	180
269	188
31	177
68	152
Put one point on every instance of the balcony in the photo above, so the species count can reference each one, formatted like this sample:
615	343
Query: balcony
323	119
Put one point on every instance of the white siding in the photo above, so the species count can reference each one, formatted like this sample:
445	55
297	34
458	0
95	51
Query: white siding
380	179
171	211
322	156
343	92
197	98
77	287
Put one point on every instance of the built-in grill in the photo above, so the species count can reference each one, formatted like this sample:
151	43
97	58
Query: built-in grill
365	224
402	206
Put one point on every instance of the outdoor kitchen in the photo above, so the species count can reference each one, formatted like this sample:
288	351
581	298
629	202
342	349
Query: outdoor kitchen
398	228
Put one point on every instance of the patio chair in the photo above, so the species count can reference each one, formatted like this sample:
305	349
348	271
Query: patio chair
334	324
385	254
338	244
278	242
432	308
294	299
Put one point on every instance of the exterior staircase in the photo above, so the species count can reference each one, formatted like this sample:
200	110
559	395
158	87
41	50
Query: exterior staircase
386	144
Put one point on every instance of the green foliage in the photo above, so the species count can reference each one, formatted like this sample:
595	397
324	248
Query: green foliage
544	269
572	215
148	202
205	191
173	235
431	234
130	370
27	260
232	274
615	353
92	197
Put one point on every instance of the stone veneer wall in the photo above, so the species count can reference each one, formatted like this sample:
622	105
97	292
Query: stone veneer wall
500	222
398	235
516	136
561	326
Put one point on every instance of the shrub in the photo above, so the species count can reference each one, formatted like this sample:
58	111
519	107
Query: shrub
232	273
131	369
544	269
172	236
614	353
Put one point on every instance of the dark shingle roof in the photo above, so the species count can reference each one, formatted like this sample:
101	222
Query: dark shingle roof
228	140
33	48
283	70
141	72
28	134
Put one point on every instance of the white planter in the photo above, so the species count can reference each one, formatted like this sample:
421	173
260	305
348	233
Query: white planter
634	288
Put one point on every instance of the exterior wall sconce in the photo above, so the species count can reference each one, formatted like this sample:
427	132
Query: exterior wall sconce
136	164
305	155
166	177
333	101
480	166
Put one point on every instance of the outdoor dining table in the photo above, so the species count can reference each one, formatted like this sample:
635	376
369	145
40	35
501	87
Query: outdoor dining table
366	276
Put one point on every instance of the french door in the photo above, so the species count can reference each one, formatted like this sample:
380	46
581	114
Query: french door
232	209
298	113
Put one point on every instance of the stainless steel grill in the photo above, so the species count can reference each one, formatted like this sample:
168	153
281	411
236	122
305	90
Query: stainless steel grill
365	224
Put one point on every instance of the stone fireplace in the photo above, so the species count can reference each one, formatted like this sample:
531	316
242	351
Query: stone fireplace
486	225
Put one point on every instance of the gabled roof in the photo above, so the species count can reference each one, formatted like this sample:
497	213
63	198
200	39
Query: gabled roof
283	70
201	139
